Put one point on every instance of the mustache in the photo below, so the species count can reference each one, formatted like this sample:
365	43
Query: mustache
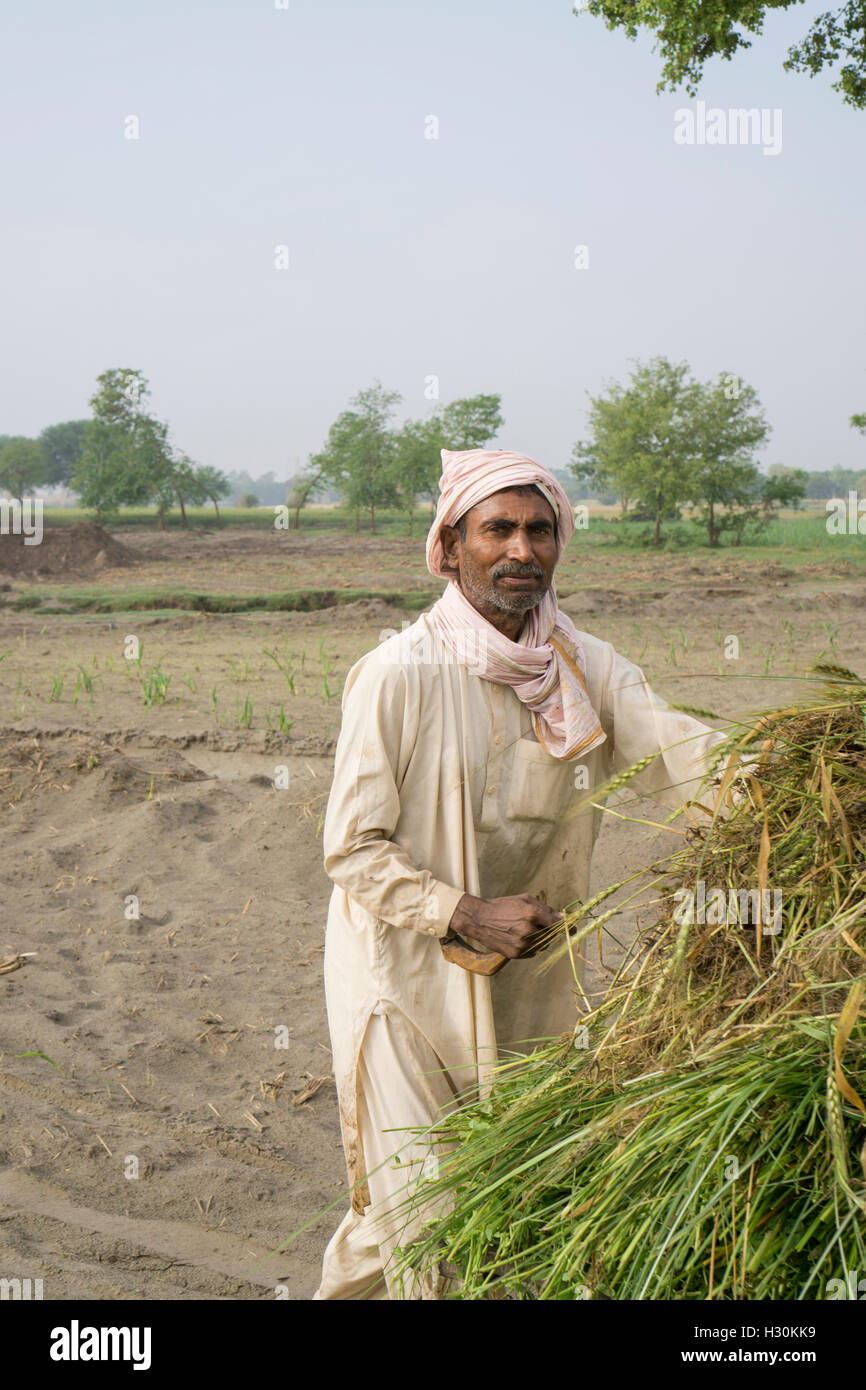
529	571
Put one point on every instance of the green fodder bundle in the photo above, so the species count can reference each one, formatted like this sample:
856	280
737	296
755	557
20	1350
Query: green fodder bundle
702	1134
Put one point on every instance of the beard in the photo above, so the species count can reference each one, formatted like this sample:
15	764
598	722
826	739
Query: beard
482	592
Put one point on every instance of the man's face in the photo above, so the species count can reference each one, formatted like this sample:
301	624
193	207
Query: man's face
508	556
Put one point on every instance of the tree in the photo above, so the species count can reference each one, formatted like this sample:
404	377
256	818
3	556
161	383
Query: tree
419	446
840	478
832	36
470	422
23	465
371	459
727	425
640	439
667	439
100	475
126	459
358	457
152	466
213	485
175	482
783	490
63	445
691	31
301	488
823	484
467	423
186	485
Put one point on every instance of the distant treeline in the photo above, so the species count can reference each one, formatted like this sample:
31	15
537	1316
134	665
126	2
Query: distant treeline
659	446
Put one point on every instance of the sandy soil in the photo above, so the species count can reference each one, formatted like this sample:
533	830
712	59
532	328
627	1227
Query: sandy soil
161	1028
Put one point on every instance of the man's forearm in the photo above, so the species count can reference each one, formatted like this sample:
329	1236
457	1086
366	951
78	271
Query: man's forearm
380	875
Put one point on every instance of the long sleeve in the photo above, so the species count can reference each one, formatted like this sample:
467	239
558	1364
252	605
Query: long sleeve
641	723
381	717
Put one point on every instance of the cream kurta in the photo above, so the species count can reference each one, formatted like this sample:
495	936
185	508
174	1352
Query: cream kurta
441	788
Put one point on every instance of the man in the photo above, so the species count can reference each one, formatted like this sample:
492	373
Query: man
456	767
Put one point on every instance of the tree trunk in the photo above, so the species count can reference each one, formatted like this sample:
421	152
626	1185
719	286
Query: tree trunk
183	520
657	533
411	519
372	519
296	524
217	510
357	517
162	516
712	528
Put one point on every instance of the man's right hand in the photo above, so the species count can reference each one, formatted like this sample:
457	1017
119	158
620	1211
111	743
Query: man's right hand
512	926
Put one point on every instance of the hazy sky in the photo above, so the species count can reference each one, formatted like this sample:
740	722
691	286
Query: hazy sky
305	127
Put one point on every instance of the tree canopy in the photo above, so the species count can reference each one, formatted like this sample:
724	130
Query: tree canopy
665	440
640	440
689	32
467	423
213	485
22	465
126	458
372	465
358	455
62	445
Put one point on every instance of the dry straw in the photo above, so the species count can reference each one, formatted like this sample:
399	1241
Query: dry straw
710	1141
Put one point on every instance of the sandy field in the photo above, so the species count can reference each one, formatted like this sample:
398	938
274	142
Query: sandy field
180	1121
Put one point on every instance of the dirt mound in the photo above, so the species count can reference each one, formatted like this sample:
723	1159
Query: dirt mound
371	610
83	549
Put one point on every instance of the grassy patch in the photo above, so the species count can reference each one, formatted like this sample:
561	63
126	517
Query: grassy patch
93	599
322	518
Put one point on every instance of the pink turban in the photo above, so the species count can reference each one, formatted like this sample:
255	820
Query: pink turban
546	669
473	475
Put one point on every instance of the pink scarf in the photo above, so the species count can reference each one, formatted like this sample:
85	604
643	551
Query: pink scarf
546	669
